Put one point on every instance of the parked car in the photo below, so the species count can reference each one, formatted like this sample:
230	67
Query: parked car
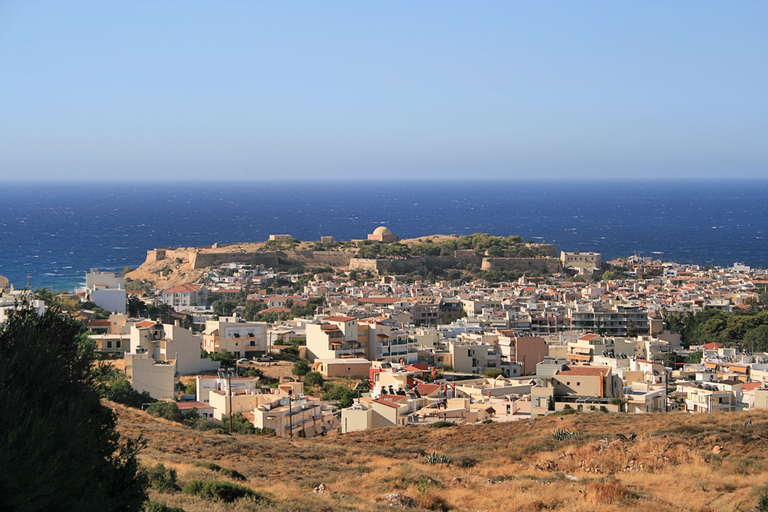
243	361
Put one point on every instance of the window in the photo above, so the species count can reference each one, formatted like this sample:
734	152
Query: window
118	345
578	383
109	344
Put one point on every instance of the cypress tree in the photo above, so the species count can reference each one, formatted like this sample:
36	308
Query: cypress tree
59	449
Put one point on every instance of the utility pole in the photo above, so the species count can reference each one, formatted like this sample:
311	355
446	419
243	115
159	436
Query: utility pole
290	412
228	374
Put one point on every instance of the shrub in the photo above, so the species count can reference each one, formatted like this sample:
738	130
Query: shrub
221	491
167	410
435	458
762	503
610	491
231	473
159	506
161	479
442	424
240	425
208	465
562	435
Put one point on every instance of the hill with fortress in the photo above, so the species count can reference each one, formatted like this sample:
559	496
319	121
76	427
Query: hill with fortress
185	264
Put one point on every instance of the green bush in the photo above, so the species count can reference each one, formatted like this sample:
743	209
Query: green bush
221	491
314	380
240	425
167	410
442	424
161	479
233	474
762	503
208	465
301	367
119	390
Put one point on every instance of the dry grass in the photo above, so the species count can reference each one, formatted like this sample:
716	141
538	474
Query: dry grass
505	466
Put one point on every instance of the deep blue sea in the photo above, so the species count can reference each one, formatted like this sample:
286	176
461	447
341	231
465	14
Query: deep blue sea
55	232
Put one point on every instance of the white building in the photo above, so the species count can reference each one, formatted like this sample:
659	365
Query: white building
171	342
244	339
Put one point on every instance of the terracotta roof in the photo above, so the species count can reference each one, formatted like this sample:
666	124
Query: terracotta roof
339	319
278	309
427	389
390	400
586	371
146	323
183	406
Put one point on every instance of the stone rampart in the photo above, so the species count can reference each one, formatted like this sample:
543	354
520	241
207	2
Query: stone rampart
523	264
210	259
318	258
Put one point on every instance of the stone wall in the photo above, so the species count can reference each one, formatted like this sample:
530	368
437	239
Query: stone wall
407	265
210	259
523	264
317	258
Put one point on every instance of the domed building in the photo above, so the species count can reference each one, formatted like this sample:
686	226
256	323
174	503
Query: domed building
382	234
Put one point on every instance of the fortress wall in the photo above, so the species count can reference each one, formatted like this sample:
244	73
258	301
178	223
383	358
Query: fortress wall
319	258
524	264
451	261
210	259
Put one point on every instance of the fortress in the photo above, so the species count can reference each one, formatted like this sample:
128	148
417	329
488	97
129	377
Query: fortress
254	254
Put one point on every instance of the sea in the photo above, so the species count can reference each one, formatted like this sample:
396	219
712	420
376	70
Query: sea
51	233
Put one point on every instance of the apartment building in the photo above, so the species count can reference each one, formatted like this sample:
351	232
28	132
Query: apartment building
245	339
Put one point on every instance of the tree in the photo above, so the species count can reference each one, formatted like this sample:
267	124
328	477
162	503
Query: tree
756	340
135	306
301	367
695	357
118	389
225	357
57	436
224	307
314	380
167	410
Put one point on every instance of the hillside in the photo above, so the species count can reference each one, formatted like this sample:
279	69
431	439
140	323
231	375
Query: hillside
678	462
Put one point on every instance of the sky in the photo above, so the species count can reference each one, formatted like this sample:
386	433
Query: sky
339	90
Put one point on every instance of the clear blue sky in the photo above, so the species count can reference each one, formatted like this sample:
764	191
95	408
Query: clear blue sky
390	89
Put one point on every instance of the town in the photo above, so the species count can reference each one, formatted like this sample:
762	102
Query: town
299	339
